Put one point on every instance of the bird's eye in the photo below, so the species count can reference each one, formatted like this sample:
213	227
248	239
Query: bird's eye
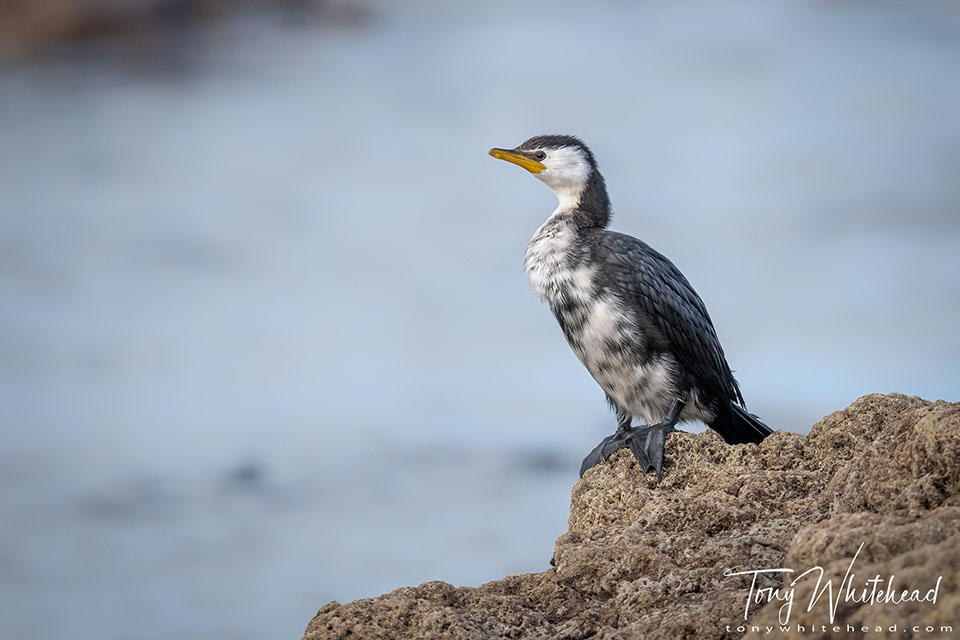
540	155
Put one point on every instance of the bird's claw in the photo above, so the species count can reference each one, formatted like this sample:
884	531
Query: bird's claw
606	448
647	447
646	443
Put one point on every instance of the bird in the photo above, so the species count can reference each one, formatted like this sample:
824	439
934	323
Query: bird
627	312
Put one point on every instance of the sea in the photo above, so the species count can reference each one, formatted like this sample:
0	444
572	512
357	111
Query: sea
265	336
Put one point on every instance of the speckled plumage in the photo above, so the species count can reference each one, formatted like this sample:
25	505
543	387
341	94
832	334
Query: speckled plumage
629	315
631	318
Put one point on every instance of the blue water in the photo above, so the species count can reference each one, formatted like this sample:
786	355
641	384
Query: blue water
265	339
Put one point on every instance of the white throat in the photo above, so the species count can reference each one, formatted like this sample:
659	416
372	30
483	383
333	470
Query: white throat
567	199
566	173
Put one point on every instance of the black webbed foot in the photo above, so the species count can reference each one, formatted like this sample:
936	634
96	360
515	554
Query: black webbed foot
619	440
647	446
645	442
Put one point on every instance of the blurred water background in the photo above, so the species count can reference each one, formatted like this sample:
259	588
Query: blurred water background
265	339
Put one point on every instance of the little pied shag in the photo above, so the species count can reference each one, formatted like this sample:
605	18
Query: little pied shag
628	313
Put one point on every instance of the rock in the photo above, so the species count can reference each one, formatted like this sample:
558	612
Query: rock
36	23
647	561
30	25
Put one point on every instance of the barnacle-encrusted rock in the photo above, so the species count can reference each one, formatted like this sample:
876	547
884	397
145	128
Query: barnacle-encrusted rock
648	561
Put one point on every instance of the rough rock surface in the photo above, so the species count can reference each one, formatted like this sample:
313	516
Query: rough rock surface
647	561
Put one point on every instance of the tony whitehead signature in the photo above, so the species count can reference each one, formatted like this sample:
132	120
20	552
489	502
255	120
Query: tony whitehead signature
870	594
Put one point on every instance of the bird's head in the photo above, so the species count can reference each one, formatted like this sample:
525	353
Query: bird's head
563	163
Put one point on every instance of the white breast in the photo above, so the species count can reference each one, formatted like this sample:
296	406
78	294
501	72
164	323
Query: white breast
602	331
549	264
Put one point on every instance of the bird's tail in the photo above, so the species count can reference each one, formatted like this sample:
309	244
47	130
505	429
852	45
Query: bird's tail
738	426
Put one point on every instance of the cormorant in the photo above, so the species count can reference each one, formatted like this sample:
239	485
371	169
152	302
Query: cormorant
628	313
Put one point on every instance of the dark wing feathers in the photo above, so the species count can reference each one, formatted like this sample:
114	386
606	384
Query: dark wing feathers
677	318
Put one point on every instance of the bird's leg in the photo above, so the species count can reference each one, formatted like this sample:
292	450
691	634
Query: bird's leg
608	445
647	442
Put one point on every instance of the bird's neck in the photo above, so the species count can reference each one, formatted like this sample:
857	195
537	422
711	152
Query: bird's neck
584	207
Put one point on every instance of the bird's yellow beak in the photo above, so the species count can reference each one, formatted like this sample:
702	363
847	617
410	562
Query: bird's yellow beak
518	159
